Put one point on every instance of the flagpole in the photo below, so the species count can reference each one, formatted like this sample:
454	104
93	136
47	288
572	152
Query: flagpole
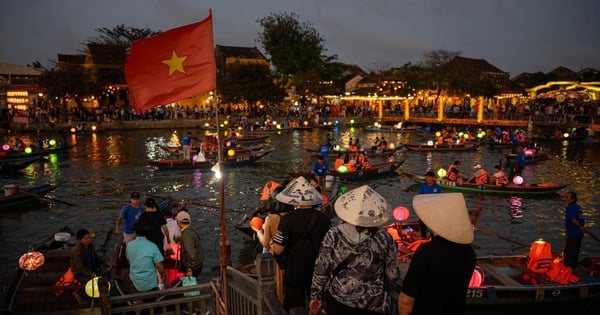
225	288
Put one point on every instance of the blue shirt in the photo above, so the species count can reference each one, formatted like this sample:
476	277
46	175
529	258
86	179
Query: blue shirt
320	170
426	189
573	212
130	216
520	161
143	255
187	140
324	150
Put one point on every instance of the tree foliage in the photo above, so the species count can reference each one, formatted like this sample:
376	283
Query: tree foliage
121	35
248	83
296	49
434	62
68	81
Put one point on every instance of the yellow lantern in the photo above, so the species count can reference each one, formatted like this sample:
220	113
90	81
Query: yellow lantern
438	134
466	136
441	173
52	142
231	152
92	289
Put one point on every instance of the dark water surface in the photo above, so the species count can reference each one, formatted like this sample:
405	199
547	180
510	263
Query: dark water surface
102	170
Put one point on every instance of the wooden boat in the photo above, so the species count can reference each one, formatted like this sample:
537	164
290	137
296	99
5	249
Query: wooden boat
251	139
376	170
393	128
15	197
442	147
529	158
11	165
370	152
531	189
236	160
238	149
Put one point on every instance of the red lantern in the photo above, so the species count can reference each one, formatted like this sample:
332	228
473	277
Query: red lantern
31	261
476	278
401	213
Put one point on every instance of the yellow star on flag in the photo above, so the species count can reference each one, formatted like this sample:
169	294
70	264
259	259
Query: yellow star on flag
175	63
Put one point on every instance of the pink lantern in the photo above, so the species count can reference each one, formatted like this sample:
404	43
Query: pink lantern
31	261
476	278
401	213
5	147
518	180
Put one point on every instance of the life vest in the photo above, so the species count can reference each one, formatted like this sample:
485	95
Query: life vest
560	273
540	257
440	140
324	202
502	178
482	178
67	279
350	167
360	160
366	164
268	189
338	163
450	174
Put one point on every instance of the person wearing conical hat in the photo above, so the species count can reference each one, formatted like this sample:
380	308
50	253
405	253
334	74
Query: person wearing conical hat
298	239
439	273
356	258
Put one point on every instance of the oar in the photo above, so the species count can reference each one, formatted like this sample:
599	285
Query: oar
592	235
47	198
494	235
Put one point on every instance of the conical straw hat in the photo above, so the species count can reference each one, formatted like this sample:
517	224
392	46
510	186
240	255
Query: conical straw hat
446	214
364	207
300	192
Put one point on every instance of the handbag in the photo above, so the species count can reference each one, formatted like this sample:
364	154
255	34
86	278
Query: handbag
188	282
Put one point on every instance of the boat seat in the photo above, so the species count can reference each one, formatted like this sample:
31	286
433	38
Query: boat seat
499	275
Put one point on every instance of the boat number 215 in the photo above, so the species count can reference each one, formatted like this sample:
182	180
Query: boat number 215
475	293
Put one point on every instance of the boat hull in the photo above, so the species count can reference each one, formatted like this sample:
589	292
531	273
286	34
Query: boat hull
376	170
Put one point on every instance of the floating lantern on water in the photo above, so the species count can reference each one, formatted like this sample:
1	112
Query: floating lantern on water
28	150
482	133
94	128
31	261
392	146
5	147
441	173
401	213
352	121
466	136
566	135
305	123
92	289
518	180
73	130
52	142
342	169
336	147
231	152
257	223
461	134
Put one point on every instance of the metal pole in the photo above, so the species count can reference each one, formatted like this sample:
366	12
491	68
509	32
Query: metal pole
225	289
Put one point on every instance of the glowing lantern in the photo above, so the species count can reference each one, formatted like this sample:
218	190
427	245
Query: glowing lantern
466	136
94	128
438	134
206	125
195	157
257	223
226	122
476	278
441	173
482	133
430	142
324	123
336	147
5	147
401	213
278	126
392	146
73	130
460	134
91	287
274	123
352	121
31	261
28	150
518	180
231	152
52	142
342	169
529	152
227	143
305	123
566	135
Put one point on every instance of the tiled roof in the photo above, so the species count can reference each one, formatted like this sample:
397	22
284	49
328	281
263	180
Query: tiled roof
12	69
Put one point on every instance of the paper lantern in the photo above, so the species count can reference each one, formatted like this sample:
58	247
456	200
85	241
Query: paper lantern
5	147
257	223
518	180
342	169
566	135
352	121
430	142
52	142
392	146
461	134
401	213
231	152
31	261
466	136
92	289
336	147
441	173
438	134
28	150
73	130
476	278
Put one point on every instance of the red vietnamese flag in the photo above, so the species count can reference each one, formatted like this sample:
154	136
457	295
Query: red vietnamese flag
172	66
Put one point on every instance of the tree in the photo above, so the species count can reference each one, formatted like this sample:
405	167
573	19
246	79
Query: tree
68	81
121	35
434	62
296	49
248	83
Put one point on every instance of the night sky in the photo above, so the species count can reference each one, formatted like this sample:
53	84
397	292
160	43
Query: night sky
514	35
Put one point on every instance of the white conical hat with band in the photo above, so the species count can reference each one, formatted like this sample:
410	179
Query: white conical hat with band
364	207
300	192
446	215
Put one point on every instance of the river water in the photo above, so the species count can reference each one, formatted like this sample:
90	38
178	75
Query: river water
101	171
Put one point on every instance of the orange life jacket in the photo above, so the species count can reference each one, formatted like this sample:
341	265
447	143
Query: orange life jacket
501	179
540	257
450	174
482	178
350	167
67	279
338	163
560	273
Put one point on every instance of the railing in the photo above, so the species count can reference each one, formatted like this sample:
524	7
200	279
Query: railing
249	294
